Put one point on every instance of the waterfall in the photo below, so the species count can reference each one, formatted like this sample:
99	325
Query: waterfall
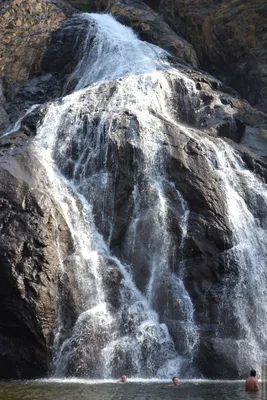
124	305
108	319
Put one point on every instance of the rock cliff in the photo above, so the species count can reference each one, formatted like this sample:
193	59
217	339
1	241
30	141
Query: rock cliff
30	227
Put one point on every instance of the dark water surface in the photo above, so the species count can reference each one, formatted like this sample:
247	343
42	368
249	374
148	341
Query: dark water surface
82	389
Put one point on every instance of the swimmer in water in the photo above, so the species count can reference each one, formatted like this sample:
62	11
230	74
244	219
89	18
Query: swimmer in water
252	384
123	379
175	382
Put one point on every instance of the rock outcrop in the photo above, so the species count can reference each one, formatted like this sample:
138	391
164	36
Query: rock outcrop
4	118
26	28
229	38
150	27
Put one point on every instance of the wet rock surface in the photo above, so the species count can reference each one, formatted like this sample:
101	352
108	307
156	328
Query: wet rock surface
30	224
209	235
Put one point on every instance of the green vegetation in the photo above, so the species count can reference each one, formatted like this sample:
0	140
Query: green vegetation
85	7
135	22
171	11
159	44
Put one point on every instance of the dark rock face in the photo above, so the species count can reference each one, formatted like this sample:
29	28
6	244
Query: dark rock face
229	39
30	227
4	118
48	81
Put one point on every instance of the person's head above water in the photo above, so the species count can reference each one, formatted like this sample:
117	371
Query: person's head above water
175	380
252	373
123	378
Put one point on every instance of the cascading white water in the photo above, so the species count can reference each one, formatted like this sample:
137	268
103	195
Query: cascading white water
77	142
243	310
115	52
